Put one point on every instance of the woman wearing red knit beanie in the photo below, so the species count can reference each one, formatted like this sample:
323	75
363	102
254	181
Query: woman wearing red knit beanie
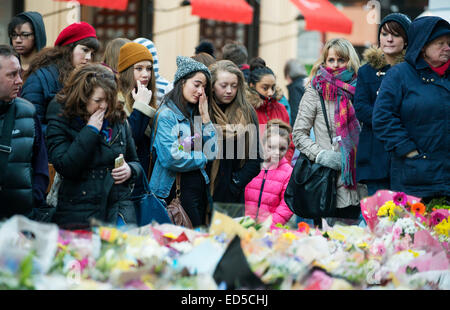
75	46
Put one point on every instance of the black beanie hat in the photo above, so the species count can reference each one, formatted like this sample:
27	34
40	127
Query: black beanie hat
400	18
205	47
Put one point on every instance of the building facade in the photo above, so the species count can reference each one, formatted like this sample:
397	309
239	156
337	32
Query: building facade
276	34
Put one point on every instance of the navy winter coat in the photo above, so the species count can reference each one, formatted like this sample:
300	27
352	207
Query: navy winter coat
296	90
40	88
412	112
372	161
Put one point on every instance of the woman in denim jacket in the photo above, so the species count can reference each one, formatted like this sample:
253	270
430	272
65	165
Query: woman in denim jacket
185	140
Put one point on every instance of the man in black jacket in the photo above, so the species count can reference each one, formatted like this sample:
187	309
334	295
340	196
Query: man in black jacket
23	155
294	72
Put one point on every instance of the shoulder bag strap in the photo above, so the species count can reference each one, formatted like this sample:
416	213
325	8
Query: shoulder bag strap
5	140
324	110
150	165
178	184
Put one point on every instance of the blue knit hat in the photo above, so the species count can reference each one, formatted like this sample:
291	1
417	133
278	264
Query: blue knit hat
403	20
187	65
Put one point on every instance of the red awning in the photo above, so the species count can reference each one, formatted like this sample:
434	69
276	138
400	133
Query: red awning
235	11
323	16
120	5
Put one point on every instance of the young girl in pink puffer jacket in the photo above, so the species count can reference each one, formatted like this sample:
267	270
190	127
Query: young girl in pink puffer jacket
264	195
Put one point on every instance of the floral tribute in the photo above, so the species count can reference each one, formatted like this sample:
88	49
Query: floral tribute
405	245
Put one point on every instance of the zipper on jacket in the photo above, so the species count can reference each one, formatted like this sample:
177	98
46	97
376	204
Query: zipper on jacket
260	194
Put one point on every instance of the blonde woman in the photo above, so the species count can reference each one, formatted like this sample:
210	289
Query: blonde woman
236	118
333	77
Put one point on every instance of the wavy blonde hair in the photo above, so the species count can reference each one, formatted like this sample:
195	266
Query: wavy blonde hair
344	49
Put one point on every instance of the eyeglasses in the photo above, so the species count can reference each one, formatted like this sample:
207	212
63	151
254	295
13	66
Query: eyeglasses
23	35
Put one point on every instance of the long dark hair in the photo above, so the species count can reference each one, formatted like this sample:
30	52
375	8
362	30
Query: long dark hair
61	56
176	96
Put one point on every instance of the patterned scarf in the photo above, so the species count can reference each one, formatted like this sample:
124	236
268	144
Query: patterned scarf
338	86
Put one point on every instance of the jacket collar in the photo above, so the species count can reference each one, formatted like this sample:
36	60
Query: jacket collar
171	105
374	56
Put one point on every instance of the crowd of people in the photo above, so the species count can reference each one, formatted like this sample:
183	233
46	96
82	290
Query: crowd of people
221	130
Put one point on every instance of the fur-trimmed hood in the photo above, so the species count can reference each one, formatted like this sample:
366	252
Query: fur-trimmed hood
375	57
254	98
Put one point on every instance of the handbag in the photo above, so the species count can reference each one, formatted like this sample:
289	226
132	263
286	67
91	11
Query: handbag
176	211
150	208
311	191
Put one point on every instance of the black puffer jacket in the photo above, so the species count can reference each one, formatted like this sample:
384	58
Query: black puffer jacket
84	160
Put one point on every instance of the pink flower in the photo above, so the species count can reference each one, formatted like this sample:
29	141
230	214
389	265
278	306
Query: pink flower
397	231
378	249
421	218
437	216
400	198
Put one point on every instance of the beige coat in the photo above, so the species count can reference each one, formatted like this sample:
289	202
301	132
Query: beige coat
310	116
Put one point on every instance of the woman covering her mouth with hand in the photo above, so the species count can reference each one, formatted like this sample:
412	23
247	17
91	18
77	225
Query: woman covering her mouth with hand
185	140
87	131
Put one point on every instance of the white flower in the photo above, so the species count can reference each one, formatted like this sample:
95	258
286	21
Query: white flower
407	225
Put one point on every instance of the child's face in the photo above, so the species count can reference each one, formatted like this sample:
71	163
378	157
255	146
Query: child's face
275	148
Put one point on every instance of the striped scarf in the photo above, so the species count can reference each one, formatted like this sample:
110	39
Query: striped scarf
338	86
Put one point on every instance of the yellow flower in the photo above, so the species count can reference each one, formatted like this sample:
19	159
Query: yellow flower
394	210
415	254
109	234
170	235
124	265
384	209
443	228
289	236
363	245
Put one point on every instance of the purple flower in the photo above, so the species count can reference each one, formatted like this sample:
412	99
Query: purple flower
400	199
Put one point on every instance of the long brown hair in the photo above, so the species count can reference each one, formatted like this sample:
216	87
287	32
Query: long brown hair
240	100
127	84
176	96
80	86
112	49
60	56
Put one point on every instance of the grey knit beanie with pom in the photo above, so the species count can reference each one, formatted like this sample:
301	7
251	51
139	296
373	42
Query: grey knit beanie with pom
187	65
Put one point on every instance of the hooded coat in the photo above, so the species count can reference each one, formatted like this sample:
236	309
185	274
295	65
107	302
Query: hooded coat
264	195
269	109
35	18
412	112
372	161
